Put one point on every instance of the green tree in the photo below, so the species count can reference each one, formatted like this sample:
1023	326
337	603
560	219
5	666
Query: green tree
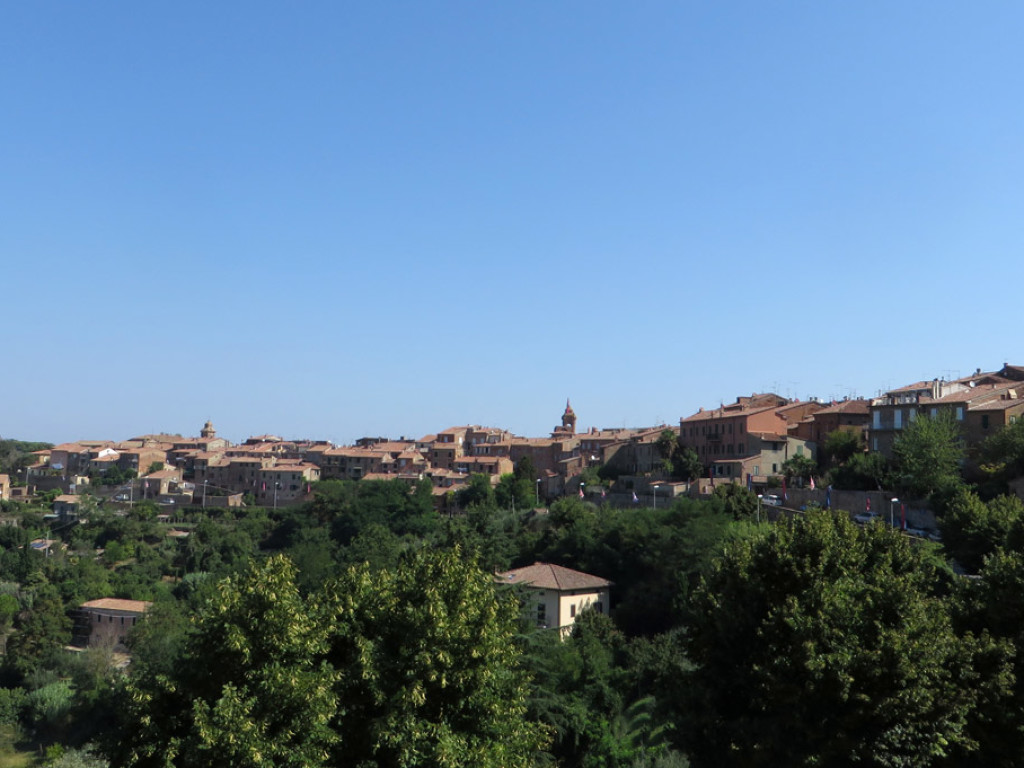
1003	453
687	465
928	453
415	666
478	491
514	493
667	444
802	467
973	529
41	631
820	643
736	500
429	669
262	695
840	446
861	472
992	608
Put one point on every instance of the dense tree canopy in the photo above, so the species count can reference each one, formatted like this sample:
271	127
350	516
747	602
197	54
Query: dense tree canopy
820	643
411	667
928	453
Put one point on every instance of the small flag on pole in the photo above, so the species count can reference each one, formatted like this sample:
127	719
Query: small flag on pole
867	503
581	491
635	499
828	497
785	496
750	482
812	482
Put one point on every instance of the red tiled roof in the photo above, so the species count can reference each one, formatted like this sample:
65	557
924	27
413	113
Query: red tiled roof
549	576
846	406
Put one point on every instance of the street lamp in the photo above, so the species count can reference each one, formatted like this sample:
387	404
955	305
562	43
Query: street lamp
654	493
759	497
204	493
892	514
276	486
538	491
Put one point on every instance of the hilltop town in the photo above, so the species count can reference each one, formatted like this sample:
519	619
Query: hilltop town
590	597
749	441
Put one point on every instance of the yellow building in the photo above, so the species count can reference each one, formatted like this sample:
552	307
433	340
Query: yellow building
559	594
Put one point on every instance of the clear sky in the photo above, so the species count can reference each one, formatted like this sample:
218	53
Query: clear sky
336	219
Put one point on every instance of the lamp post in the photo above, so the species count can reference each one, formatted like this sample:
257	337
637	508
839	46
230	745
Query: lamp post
892	514
538	491
276	486
204	493
654	493
759	497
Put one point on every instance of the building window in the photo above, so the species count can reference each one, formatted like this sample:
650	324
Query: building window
897	419
984	421
960	413
599	607
542	613
877	420
572	610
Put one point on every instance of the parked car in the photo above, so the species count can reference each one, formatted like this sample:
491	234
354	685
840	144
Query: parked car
863	518
772	500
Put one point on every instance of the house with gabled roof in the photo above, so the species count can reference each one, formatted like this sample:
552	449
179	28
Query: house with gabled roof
558	594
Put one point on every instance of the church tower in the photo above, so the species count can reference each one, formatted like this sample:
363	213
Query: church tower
208	431
569	419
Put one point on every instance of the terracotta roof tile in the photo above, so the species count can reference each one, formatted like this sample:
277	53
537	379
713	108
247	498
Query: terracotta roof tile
549	576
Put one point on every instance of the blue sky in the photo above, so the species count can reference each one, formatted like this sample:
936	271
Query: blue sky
339	219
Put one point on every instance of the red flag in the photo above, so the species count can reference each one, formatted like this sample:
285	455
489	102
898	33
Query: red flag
812	482
867	504
903	516
581	491
785	496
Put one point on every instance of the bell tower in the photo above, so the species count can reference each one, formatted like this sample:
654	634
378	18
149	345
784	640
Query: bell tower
569	419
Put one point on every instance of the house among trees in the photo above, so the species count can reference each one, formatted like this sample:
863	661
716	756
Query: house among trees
559	594
107	622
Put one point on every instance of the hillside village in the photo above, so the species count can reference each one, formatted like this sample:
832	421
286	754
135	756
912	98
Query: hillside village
746	441
602	593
